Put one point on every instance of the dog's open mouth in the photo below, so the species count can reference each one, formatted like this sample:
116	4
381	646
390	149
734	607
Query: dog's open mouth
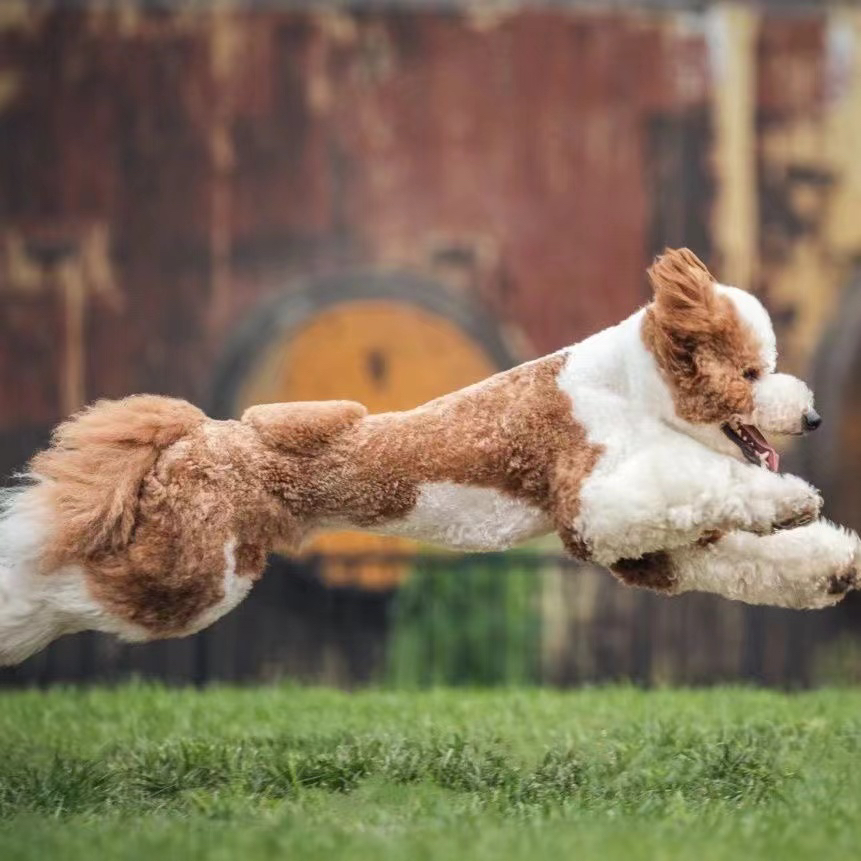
753	444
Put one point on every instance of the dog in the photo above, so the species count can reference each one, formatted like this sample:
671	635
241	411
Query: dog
643	447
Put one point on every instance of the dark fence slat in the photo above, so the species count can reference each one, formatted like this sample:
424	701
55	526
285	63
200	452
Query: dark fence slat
469	622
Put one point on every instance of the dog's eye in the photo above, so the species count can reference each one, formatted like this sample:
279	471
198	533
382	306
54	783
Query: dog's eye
751	374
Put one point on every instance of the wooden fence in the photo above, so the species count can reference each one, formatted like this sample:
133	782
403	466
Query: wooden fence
460	619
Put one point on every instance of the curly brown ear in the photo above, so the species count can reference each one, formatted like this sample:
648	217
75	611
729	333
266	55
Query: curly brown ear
685	297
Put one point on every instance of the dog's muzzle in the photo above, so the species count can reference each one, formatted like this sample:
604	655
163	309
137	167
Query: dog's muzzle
811	420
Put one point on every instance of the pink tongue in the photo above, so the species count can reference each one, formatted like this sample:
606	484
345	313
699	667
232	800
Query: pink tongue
772	458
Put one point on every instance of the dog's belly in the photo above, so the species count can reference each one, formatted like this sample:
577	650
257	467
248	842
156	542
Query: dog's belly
464	517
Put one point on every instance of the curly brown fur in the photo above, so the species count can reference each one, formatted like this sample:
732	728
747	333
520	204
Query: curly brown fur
302	427
515	433
700	343
652	571
92	472
146	493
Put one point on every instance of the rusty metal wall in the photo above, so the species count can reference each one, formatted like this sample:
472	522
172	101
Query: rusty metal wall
161	172
165	168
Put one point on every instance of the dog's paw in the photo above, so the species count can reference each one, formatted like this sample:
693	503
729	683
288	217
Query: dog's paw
840	584
834	587
838	556
799	506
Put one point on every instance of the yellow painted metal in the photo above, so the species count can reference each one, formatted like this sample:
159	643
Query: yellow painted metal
387	355
736	212
812	273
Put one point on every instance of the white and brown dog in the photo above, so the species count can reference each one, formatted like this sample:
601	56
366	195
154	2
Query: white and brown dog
642	447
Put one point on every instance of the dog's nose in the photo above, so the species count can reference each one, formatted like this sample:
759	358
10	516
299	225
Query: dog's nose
811	420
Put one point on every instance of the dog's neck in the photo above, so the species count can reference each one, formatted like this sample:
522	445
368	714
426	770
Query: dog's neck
617	361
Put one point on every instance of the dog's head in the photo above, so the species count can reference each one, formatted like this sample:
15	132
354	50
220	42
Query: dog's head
716	351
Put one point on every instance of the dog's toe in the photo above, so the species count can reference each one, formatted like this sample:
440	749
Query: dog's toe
840	584
801	518
801	511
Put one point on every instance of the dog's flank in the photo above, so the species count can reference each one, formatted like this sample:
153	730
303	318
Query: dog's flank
645	448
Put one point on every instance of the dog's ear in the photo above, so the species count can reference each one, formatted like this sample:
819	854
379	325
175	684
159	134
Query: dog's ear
685	297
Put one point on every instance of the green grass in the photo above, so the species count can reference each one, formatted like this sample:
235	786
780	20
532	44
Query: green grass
297	773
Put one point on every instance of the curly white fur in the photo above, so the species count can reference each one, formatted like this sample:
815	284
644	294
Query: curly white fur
780	403
787	569
662	483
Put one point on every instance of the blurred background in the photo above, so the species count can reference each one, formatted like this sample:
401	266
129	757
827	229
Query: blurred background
237	202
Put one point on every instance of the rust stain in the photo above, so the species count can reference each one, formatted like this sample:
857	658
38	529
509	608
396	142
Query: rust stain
795	181
225	55
533	158
736	212
543	152
20	15
843	128
73	262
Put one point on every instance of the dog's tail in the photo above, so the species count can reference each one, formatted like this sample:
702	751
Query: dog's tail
86	483
77	498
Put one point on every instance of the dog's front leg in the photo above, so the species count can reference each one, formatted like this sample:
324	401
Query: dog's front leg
671	496
810	567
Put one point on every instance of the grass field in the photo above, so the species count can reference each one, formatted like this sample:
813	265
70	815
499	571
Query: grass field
145	772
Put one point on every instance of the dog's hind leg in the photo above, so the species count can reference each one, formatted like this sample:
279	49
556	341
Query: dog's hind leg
27	622
805	568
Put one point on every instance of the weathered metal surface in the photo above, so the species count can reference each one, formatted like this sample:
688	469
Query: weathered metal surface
167	167
220	153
